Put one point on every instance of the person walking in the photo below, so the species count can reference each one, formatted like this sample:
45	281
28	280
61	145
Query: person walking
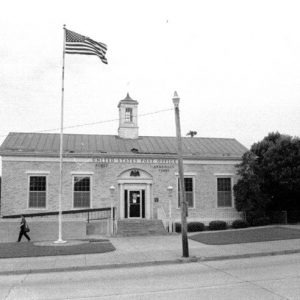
24	229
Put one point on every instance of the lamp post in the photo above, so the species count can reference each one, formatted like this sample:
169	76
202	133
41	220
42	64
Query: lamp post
112	191
170	190
185	246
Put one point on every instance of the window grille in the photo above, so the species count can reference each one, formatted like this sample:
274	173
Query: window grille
82	192
224	192
37	192
189	191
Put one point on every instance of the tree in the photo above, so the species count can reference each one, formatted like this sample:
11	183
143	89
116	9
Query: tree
249	197
269	176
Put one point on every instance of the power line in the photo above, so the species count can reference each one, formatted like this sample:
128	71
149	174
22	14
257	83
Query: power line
99	122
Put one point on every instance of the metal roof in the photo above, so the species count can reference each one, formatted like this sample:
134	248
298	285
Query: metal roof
47	144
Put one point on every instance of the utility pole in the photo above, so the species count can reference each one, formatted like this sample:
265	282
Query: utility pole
183	205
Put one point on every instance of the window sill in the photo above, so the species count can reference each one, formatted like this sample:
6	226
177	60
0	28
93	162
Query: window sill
83	207
225	207
36	208
188	208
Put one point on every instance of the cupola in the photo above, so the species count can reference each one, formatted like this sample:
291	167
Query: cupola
128	125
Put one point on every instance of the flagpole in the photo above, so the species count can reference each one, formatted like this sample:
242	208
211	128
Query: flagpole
60	240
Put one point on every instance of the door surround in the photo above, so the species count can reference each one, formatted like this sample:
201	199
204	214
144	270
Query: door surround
128	180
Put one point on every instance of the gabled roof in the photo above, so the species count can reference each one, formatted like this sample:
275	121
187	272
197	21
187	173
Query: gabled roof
84	145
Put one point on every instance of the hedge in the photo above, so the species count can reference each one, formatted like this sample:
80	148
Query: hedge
191	227
195	226
217	225
262	221
239	224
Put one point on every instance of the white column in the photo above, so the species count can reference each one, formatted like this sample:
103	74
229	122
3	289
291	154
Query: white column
170	190
148	201
112	192
121	201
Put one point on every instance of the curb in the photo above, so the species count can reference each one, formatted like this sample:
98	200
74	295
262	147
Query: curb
149	263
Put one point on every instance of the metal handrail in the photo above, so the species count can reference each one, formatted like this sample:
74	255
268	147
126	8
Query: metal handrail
64	212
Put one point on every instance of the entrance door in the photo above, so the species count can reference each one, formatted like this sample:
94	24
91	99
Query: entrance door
134	203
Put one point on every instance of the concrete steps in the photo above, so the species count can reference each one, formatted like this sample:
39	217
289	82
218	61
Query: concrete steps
136	227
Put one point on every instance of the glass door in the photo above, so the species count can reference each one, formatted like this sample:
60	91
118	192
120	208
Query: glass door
134	204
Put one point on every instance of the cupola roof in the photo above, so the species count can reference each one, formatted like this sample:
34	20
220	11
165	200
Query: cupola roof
127	100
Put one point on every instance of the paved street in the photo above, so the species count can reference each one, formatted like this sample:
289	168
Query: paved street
272	277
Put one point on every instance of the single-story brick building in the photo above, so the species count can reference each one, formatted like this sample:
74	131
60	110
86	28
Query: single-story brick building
142	169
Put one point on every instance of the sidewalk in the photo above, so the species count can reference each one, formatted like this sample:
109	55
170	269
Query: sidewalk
146	250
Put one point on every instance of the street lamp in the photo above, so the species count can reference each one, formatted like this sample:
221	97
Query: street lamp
185	246
170	191
112	191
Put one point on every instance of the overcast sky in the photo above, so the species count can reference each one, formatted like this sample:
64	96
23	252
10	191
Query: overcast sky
234	64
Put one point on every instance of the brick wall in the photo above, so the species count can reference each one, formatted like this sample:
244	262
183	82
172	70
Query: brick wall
15	186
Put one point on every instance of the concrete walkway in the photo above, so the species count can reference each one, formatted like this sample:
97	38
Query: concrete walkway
146	250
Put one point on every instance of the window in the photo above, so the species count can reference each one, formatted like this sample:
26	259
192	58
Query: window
128	114
37	191
189	191
82	191
224	192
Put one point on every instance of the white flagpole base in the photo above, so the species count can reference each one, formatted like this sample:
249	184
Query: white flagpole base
60	241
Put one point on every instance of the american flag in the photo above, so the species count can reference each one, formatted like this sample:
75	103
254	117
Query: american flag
79	44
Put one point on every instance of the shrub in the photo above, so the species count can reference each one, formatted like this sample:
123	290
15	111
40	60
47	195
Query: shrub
177	227
217	225
262	221
195	226
278	217
191	227
239	224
